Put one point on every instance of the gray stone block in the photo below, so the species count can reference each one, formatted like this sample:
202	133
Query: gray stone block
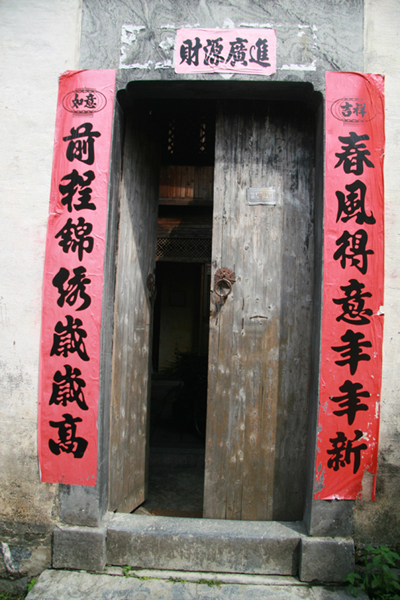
331	518
80	505
269	548
320	592
79	548
326	560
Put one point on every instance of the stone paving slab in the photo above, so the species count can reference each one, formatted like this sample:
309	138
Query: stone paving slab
73	585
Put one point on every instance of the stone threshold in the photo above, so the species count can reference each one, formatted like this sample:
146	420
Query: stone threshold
264	548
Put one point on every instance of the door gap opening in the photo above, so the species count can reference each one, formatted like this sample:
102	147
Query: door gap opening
178	402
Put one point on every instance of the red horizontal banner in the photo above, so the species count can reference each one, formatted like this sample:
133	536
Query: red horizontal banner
352	318
73	279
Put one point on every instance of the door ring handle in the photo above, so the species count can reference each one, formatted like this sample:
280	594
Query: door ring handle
223	288
223	281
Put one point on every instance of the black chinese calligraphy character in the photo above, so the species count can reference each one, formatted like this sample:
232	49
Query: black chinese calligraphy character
76	286
353	304
354	154
213	52
76	102
70	189
90	101
342	450
237	52
81	143
353	205
68	387
346	109
76	237
261	53
350	403
360	109
352	351
351	247
68	442
190	53
69	338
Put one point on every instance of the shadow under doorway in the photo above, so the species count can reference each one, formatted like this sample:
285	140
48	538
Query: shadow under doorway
178	391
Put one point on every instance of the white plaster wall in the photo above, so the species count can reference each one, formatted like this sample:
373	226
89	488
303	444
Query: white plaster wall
380	521
39	39
382	45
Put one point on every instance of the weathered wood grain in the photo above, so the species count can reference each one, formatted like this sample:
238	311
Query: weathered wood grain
186	182
257	409
185	226
132	321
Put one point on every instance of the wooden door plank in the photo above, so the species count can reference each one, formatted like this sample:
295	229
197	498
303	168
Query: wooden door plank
132	321
253	345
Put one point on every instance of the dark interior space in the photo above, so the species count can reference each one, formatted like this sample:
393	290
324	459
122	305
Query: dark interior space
186	133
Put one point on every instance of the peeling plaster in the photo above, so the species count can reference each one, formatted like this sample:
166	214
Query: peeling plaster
260	25
13	556
144	66
293	67
228	24
129	33
167	44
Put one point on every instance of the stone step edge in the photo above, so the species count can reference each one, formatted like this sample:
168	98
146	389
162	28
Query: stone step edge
196	576
160	525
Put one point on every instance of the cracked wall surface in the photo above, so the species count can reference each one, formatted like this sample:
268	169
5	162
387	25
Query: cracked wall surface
38	40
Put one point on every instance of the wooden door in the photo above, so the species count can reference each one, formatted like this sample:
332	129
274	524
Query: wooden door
259	351
131	371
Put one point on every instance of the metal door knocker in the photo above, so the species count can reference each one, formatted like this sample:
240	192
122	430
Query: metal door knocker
223	281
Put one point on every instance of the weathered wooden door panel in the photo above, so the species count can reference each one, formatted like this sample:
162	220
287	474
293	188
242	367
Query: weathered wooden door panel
260	337
132	320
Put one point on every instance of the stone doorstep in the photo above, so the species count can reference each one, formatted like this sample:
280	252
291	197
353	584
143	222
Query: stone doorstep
203	545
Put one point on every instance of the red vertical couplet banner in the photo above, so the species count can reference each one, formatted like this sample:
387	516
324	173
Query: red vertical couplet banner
73	278
352	318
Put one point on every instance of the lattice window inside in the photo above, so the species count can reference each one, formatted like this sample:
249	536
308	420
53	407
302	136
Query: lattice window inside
188	136
171	137
203	139
184	249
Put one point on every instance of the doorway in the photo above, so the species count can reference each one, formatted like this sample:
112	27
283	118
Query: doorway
181	309
260	334
178	391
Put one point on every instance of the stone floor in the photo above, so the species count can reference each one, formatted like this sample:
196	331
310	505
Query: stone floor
175	491
176	470
171	585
